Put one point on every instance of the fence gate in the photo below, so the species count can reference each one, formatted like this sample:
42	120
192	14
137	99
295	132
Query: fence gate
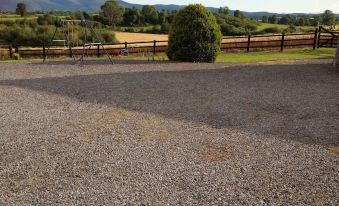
327	38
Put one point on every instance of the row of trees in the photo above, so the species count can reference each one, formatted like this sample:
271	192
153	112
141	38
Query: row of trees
328	18
135	20
113	14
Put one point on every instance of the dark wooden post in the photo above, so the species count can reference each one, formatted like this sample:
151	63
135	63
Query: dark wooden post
98	50
10	52
336	62
319	37
248	43
315	38
70	52
43	51
154	47
282	42
126	49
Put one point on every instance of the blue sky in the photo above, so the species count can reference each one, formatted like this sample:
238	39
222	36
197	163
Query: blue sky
282	6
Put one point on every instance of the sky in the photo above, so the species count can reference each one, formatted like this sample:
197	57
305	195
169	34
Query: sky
279	6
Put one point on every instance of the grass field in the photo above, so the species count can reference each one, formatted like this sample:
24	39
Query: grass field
255	57
263	26
13	17
323	53
239	58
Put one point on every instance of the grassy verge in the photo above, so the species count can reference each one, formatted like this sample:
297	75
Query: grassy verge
254	57
323	53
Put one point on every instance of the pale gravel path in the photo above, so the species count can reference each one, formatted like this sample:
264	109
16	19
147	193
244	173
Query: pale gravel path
169	134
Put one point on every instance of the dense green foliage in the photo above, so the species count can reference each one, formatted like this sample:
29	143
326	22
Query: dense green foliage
38	31
194	35
112	12
231	26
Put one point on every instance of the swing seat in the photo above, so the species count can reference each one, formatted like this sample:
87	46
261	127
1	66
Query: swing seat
58	40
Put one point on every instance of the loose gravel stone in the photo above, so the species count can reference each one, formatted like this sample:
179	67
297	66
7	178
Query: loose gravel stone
139	133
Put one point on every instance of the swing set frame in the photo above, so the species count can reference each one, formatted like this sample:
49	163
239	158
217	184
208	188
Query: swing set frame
67	27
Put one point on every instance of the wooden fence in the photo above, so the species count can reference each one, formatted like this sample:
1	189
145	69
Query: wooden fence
279	42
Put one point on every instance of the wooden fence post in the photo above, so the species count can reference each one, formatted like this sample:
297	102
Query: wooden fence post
70	51
98	50
126	49
10	52
315	38
282	42
248	43
154	47
43	51
336	61
319	37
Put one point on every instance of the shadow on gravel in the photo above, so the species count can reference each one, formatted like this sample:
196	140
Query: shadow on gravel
100	62
295	102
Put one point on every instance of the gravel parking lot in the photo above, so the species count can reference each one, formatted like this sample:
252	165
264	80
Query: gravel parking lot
138	133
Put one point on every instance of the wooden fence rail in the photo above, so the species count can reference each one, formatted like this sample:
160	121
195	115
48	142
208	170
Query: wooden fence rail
280	42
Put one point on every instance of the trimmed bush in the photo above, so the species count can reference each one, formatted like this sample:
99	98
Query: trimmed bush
194	35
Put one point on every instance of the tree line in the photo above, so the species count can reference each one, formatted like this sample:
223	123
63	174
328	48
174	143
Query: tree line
327	18
147	19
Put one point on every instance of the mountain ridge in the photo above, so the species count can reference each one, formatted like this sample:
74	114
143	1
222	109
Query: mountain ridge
94	5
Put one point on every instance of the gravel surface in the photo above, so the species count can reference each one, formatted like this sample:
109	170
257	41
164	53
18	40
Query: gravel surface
140	133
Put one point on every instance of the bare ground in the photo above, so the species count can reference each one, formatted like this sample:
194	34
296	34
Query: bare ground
141	133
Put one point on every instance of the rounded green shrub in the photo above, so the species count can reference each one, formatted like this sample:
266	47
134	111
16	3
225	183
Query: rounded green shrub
194	35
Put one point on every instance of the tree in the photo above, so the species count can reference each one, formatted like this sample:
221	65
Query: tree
315	21
264	19
194	35
162	17
273	19
150	14
132	17
21	9
224	10
284	20
112	12
328	18
239	14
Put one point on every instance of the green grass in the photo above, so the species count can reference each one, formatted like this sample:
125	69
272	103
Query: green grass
239	58
267	25
256	57
281	27
323	53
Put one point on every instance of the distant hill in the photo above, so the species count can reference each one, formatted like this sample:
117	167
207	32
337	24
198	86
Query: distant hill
94	5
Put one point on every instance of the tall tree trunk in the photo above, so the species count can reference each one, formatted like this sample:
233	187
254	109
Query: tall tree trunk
336	64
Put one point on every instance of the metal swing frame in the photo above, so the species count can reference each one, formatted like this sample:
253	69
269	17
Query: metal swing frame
67	27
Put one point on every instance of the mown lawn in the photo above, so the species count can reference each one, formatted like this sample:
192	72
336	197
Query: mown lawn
323	53
253	57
